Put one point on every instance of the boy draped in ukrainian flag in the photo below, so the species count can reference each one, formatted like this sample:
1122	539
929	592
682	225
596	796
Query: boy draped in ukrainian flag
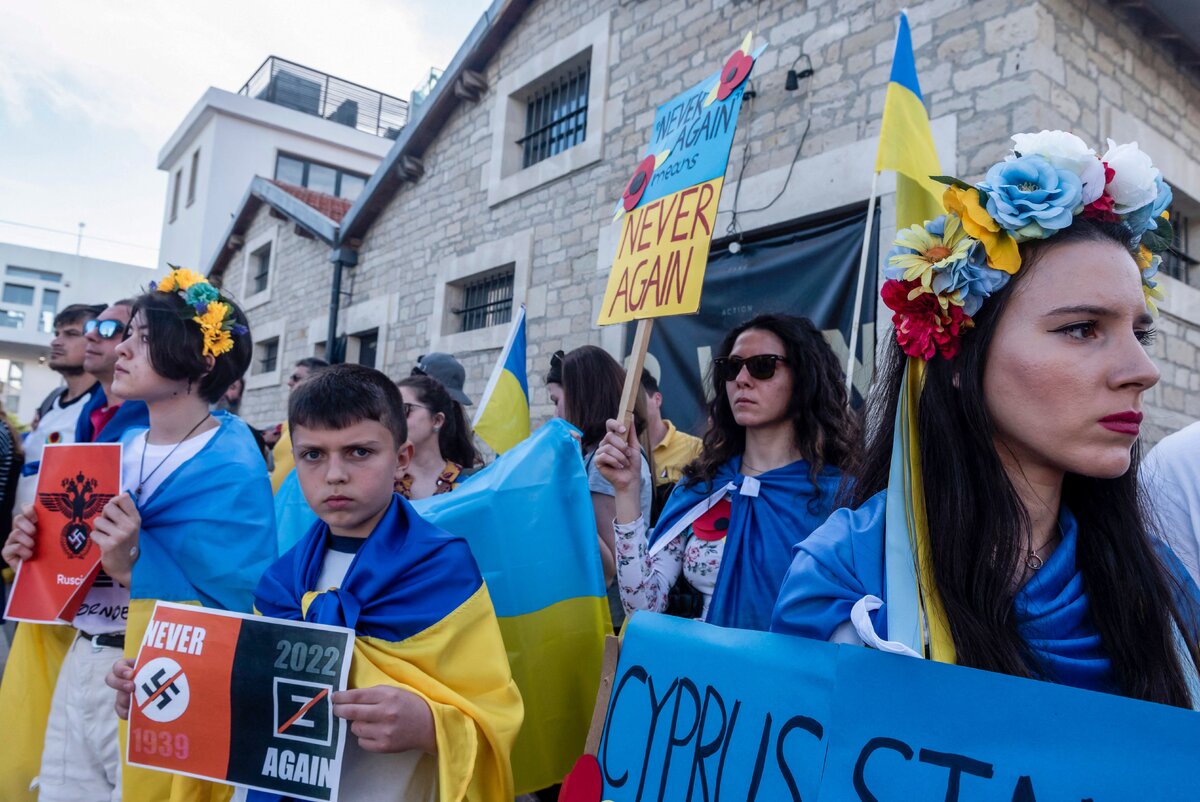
432	703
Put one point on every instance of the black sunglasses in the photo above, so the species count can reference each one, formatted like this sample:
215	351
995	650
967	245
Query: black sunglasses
760	366
105	329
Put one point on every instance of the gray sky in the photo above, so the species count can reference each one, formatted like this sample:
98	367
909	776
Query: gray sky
90	91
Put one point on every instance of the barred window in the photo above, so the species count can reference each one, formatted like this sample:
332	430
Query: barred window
556	115
487	301
261	261
268	355
1178	262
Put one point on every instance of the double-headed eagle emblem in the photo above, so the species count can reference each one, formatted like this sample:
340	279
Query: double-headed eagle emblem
79	504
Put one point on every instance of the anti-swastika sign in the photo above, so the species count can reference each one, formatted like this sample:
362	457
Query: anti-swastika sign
241	699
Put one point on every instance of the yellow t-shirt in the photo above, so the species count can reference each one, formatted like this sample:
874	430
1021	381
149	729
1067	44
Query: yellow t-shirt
676	450
284	461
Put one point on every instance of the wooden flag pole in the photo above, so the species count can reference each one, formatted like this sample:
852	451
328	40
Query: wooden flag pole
858	294
633	374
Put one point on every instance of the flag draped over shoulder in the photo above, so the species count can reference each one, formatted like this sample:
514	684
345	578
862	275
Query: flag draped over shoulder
424	621
208	533
906	141
528	519
503	417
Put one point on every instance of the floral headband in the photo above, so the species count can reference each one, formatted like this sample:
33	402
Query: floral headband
214	316
940	273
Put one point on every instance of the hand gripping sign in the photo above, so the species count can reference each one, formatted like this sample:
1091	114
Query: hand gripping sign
74	483
240	699
669	206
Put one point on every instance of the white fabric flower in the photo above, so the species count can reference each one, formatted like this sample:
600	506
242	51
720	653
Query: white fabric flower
1133	185
1066	151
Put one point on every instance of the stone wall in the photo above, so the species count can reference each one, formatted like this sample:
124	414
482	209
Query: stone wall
987	69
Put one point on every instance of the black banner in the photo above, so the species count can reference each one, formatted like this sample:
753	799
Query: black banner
808	268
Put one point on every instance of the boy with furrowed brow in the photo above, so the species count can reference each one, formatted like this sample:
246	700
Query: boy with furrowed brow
431	702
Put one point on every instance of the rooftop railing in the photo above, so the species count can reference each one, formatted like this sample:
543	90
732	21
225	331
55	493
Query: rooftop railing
306	90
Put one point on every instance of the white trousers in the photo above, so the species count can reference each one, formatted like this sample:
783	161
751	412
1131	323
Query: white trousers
81	759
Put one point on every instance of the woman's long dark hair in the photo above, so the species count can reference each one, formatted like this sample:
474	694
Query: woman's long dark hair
823	425
592	382
454	438
978	526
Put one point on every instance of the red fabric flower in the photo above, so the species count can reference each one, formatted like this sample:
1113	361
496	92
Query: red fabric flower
923	327
1102	207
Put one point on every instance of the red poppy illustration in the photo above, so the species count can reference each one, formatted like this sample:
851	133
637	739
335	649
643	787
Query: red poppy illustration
736	68
583	783
638	183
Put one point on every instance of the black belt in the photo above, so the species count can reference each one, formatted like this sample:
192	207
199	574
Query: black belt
115	639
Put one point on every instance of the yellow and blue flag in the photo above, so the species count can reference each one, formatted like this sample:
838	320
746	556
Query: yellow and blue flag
424	621
503	417
528	519
906	140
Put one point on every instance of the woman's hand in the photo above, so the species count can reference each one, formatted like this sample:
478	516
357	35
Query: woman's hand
120	679
618	457
116	533
19	545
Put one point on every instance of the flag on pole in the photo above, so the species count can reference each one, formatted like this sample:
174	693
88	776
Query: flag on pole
503	417
906	141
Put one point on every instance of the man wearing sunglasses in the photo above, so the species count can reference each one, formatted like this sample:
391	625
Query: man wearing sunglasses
59	412
105	418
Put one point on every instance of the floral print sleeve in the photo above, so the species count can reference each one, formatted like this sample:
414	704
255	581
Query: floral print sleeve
644	580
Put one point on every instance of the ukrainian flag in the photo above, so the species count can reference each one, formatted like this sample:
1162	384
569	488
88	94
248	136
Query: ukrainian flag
503	417
906	141
528	519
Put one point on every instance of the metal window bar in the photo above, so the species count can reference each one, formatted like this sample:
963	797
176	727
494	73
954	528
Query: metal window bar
270	356
286	83
556	117
1178	262
487	302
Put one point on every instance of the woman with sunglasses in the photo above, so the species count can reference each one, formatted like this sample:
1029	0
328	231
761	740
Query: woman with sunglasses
440	437
779	436
997	520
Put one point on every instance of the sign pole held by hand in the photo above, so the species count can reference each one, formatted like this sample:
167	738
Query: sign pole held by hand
633	373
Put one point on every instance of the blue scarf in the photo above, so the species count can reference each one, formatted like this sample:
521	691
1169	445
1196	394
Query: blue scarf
130	415
1054	619
762	533
407	576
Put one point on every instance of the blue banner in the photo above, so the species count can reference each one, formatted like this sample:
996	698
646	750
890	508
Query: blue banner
703	713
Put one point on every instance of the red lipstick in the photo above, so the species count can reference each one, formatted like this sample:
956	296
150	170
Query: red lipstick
1129	422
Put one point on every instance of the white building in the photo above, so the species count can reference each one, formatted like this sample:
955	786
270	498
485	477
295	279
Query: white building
35	285
289	123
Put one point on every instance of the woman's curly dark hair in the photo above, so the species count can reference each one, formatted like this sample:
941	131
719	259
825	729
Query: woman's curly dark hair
824	427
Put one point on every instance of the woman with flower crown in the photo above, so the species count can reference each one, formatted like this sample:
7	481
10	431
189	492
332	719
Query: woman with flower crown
169	536
997	519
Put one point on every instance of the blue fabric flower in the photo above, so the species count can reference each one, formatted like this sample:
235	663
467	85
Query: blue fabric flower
971	278
202	293
1146	218
239	330
1030	197
200	308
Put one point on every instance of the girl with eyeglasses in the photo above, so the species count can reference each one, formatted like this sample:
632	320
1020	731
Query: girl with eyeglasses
440	437
779	436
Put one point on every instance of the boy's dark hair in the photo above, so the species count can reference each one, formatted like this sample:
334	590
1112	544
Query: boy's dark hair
311	362
177	344
649	383
339	396
78	313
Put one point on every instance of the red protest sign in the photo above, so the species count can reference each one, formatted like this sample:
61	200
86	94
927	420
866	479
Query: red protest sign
241	699
74	483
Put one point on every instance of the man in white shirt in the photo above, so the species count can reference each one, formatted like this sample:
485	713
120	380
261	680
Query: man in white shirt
1171	478
57	417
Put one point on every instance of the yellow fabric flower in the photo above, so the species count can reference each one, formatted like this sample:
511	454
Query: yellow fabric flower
929	251
217	344
1002	253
